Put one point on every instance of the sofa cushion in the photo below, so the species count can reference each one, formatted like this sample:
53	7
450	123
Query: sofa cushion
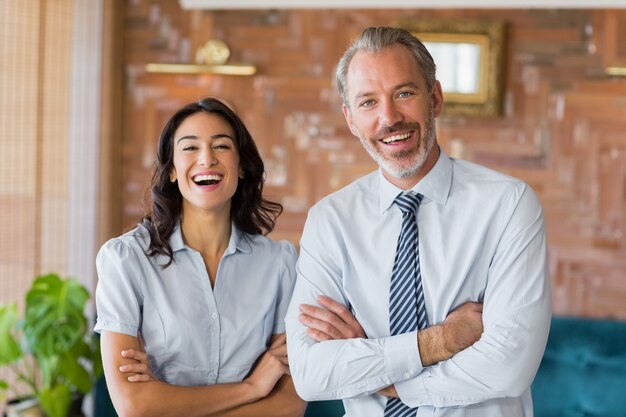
583	371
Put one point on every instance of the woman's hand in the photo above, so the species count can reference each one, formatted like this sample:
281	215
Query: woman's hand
272	365
140	371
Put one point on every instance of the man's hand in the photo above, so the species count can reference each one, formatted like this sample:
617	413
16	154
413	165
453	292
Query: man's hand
389	392
332	321
461	329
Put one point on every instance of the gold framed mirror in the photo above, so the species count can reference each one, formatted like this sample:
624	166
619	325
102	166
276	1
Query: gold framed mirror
470	59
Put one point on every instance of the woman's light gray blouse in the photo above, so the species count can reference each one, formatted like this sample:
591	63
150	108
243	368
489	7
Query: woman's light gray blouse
195	334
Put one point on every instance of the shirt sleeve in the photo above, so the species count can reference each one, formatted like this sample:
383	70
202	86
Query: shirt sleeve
338	369
118	293
288	258
516	319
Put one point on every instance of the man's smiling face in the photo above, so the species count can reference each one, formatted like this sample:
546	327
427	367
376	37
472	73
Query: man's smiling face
392	112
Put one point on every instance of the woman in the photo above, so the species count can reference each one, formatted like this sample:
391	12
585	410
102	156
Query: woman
199	282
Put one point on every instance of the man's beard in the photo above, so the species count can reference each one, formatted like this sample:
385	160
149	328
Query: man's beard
407	163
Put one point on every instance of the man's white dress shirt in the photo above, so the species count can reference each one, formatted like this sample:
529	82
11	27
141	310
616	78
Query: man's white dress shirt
481	238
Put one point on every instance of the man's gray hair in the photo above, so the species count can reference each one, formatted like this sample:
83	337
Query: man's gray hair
373	39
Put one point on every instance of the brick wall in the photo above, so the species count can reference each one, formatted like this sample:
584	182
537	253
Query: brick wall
562	130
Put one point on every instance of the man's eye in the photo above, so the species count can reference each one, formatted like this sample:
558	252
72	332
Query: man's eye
405	94
367	103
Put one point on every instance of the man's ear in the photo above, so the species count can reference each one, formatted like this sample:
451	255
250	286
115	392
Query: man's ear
437	97
348	115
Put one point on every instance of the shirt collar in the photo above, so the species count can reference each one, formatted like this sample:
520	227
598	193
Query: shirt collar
238	240
434	186
176	238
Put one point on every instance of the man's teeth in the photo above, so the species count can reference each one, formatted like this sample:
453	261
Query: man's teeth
397	137
206	179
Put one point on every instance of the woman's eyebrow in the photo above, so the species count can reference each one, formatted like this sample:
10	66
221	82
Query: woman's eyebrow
216	136
186	137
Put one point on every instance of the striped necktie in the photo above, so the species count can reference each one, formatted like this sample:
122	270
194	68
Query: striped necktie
407	311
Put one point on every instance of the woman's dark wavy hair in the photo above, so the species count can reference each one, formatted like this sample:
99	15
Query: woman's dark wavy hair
250	212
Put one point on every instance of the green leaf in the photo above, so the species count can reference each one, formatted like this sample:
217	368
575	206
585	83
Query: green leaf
90	350
98	368
49	368
3	387
54	318
9	348
71	370
56	401
81	349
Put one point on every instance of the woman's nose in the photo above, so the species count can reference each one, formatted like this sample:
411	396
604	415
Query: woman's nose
207	158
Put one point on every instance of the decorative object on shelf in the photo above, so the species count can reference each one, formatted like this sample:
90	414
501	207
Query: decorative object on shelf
52	349
213	52
212	58
470	58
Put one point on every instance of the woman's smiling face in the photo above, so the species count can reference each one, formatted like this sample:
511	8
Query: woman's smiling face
206	162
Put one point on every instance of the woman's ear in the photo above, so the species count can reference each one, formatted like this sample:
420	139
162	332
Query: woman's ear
242	173
173	175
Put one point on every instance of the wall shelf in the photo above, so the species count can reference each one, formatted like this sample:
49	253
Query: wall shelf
616	71
224	69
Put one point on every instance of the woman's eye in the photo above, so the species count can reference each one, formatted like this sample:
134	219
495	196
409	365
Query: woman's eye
221	146
189	148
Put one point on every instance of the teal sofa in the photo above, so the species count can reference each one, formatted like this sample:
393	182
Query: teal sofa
582	374
583	371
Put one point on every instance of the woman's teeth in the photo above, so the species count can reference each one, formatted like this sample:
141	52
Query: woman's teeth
207	179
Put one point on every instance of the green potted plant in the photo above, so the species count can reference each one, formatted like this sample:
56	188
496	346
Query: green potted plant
51	349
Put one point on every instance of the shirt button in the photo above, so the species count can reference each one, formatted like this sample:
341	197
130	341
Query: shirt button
407	374
213	315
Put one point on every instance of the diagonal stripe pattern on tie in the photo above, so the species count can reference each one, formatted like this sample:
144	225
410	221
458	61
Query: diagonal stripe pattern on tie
407	311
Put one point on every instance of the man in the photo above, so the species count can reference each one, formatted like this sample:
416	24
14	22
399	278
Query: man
399	271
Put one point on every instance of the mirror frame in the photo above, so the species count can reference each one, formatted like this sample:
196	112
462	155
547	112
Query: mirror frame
490	36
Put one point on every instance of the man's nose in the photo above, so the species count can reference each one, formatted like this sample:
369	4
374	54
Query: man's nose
389	113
